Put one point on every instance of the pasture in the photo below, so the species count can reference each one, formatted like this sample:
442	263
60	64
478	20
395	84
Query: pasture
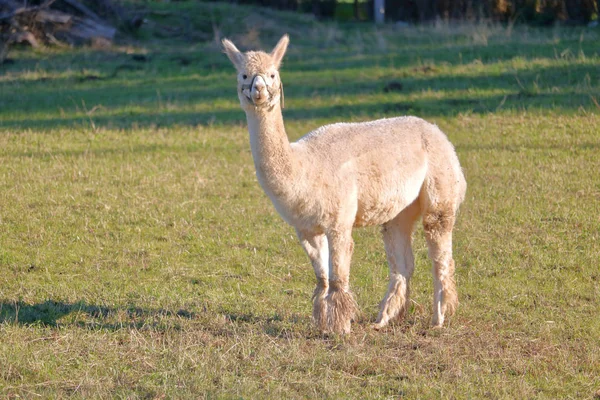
139	257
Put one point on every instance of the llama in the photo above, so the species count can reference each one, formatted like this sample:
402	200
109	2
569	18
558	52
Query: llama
387	172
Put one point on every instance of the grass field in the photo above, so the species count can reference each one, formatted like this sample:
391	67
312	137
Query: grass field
139	258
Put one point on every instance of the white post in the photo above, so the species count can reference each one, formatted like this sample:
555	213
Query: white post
379	11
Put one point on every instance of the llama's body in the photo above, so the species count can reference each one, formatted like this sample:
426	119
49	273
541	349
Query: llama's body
386	172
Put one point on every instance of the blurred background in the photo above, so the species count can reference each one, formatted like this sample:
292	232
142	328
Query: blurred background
52	21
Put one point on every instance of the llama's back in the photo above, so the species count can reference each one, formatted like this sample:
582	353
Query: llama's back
390	130
401	138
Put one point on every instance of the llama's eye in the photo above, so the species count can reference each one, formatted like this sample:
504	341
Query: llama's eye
244	76
272	76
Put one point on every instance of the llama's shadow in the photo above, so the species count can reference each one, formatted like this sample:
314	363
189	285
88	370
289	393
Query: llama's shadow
50	312
53	313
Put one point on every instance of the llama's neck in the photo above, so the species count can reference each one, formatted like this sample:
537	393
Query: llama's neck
273	159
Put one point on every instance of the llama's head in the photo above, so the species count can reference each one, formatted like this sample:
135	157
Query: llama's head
259	85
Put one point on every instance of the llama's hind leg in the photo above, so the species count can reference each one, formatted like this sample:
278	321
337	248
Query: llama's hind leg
317	249
398	247
438	224
341	306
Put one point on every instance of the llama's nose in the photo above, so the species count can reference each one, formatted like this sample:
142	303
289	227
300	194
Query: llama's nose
259	86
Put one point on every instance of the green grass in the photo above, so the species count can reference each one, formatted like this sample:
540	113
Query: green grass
139	258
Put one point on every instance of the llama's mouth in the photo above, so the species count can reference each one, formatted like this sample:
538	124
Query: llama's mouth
257	98
260	98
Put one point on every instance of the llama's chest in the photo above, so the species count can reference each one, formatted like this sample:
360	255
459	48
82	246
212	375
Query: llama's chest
297	207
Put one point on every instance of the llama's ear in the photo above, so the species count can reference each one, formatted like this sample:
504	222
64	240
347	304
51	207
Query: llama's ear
279	50
236	56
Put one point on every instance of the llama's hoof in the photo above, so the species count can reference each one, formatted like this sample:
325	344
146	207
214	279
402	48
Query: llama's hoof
341	309
437	324
378	326
339	325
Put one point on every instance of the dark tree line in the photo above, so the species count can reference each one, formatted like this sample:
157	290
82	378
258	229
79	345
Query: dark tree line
320	8
526	11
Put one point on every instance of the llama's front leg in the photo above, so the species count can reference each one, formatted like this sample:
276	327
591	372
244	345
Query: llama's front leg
341	307
439	241
317	249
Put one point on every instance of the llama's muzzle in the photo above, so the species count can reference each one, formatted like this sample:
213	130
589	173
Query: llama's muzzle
259	90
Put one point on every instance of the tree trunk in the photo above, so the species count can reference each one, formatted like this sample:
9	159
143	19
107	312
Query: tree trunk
379	11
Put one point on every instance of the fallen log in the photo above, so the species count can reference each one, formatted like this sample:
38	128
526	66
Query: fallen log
54	17
52	21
